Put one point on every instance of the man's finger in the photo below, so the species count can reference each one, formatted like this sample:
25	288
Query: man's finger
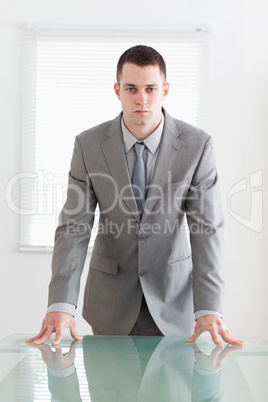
238	342
195	336
45	337
215	338
75	334
227	337
41	333
58	336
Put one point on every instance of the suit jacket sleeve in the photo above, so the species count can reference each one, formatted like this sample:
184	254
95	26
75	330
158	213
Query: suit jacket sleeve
73	233
64	389
205	220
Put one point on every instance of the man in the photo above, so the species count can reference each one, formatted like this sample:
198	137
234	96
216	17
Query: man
148	173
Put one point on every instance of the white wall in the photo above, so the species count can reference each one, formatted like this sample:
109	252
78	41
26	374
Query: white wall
238	123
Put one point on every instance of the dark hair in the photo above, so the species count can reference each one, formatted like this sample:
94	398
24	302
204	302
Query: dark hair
141	55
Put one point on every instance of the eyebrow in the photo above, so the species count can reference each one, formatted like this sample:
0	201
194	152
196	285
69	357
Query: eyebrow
133	85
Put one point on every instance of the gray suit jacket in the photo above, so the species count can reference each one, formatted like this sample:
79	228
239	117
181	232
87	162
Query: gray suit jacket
153	255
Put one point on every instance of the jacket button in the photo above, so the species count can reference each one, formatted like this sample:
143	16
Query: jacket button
142	237
142	273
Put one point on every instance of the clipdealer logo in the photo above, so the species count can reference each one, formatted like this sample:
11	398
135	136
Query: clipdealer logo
251	188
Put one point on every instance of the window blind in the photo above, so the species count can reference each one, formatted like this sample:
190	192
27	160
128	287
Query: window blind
68	77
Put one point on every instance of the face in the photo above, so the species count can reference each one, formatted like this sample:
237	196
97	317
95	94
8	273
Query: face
141	91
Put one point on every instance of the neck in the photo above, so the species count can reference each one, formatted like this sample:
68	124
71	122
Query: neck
143	131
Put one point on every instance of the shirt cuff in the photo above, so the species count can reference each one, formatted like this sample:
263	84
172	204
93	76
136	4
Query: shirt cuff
201	371
202	313
62	307
62	372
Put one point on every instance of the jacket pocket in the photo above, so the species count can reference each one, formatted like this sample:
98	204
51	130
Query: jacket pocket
179	259
103	264
181	184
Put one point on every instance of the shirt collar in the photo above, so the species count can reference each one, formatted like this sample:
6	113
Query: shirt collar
152	141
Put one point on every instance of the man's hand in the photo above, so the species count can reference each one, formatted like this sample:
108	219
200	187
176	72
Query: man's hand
55	322
58	360
215	325
215	360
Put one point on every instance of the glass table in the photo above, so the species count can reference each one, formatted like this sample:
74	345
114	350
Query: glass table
128	369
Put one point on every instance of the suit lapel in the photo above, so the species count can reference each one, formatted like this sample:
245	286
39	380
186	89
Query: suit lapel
113	149
169	150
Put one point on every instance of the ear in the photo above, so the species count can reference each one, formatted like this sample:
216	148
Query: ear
117	90
165	90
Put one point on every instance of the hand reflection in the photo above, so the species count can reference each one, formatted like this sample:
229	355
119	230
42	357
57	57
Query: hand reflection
129	368
215	360
58	360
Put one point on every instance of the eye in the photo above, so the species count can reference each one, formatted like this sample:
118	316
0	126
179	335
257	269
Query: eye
131	90
151	89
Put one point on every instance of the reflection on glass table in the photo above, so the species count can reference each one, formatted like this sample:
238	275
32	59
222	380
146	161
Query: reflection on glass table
121	368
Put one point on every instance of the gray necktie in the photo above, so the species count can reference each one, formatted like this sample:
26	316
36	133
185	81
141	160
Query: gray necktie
138	180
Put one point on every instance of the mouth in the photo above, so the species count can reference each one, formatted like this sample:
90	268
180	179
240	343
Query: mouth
141	111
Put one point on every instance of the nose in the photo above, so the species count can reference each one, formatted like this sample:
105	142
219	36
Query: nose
141	99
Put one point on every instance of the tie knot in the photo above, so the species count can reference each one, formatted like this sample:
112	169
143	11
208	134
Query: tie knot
139	147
